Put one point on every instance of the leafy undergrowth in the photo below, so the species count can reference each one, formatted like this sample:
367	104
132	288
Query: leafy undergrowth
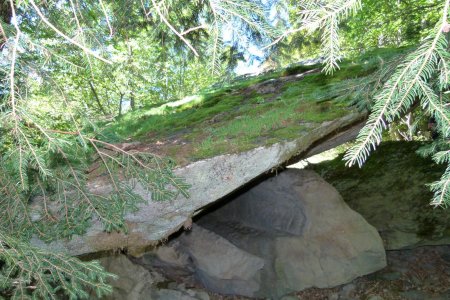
250	112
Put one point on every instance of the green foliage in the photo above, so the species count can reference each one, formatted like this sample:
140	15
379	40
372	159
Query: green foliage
327	17
413	81
421	78
45	193
386	23
70	67
376	24
246	21
32	273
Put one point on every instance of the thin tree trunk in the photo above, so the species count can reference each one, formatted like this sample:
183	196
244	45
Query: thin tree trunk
130	63
109	104
120	104
181	79
166	79
5	11
132	101
5	16
94	92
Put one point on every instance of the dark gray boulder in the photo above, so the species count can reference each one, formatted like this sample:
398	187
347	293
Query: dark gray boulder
290	232
220	265
134	282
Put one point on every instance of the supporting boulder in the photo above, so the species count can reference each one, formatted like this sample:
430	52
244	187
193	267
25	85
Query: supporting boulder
134	282
390	192
297	233
220	265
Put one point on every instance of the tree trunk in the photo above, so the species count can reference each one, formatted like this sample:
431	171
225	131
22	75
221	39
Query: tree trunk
132	102
94	92
5	11
131	85
120	104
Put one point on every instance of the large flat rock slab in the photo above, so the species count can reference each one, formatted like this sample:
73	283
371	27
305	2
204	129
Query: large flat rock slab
211	179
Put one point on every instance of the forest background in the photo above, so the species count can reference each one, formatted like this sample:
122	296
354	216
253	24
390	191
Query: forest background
70	68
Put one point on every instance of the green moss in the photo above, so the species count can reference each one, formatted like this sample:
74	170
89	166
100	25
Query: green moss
287	133
241	114
393	176
298	69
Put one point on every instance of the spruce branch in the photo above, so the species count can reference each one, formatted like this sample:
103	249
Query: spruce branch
397	95
60	33
326	18
240	17
430	101
164	19
330	42
423	77
441	190
32	273
45	185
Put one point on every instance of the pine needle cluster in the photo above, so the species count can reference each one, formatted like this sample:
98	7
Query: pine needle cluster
31	273
245	21
48	164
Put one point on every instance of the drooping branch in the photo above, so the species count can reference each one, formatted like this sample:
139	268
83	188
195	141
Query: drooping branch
164	19
97	99
60	33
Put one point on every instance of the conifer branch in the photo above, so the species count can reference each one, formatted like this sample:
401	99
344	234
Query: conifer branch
60	33
431	101
111	32
325	17
164	19
441	190
330	42
28	272
397	95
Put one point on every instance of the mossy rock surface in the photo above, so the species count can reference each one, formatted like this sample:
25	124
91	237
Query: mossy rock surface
248	112
390	191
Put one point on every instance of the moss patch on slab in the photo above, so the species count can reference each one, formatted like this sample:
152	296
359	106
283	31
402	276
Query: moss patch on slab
247	112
